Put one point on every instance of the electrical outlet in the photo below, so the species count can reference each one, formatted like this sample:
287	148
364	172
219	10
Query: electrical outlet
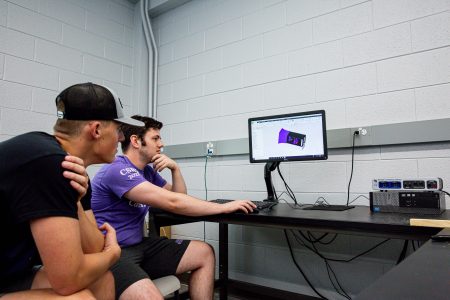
209	149
362	131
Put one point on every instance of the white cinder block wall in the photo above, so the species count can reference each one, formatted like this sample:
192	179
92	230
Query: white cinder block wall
47	45
364	62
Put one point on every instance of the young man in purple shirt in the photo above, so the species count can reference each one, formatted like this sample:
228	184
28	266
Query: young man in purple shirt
122	193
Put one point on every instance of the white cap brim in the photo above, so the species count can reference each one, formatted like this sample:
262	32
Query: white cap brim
130	121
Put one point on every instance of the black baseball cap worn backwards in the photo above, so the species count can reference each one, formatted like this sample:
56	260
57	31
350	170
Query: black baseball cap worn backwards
90	101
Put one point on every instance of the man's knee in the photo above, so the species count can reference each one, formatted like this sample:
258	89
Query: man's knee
207	250
142	289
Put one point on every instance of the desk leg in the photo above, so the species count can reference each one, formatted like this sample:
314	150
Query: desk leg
223	260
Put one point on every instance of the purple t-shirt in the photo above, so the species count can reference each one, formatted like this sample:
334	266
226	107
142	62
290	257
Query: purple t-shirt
109	205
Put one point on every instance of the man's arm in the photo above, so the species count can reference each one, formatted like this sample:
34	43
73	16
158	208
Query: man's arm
150	194
68	268
92	240
160	162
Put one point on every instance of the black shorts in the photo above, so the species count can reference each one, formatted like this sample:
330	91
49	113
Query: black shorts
152	258
23	283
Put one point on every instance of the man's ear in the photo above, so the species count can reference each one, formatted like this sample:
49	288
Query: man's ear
95	129
135	141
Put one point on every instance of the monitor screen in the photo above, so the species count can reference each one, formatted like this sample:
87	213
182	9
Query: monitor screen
290	137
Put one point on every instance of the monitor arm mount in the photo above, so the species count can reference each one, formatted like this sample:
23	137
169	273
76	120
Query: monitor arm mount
269	167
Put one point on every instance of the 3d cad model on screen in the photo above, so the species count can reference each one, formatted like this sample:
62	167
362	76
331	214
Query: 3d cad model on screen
290	137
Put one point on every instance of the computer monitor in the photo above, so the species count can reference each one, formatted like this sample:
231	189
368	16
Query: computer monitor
290	137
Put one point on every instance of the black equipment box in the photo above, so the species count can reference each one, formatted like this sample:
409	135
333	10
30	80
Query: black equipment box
416	202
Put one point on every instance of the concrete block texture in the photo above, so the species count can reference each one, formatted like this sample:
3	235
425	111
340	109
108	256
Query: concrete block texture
173	31
165	54
30	73
173	112
2	65
431	32
104	27
48	45
299	10
242	100
203	107
415	70
119	53
25	20
30	4
432	102
378	44
189	45
14	95
188	88
205	62
43	101
221	62
3	12
223	34
184	133
205	18
242	51
224	80
53	54
264	20
83	40
346	22
16	121
381	108
288	38
67	78
100	67
265	70
329	59
173	71
348	82
165	93
63	11
387	12
16	43
121	13
127	75
317	58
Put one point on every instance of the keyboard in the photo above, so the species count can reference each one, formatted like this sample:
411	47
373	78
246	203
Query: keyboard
329	207
260	205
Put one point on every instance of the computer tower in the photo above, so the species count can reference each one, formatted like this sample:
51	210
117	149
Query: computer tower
417	202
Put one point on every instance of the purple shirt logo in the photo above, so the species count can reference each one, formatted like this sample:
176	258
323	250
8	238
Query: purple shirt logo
130	172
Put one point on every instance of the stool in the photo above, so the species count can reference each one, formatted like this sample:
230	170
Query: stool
168	285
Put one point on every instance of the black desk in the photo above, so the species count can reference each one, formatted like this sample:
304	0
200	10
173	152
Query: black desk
354	221
425	274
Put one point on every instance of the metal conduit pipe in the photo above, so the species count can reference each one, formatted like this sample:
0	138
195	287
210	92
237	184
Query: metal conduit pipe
153	58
